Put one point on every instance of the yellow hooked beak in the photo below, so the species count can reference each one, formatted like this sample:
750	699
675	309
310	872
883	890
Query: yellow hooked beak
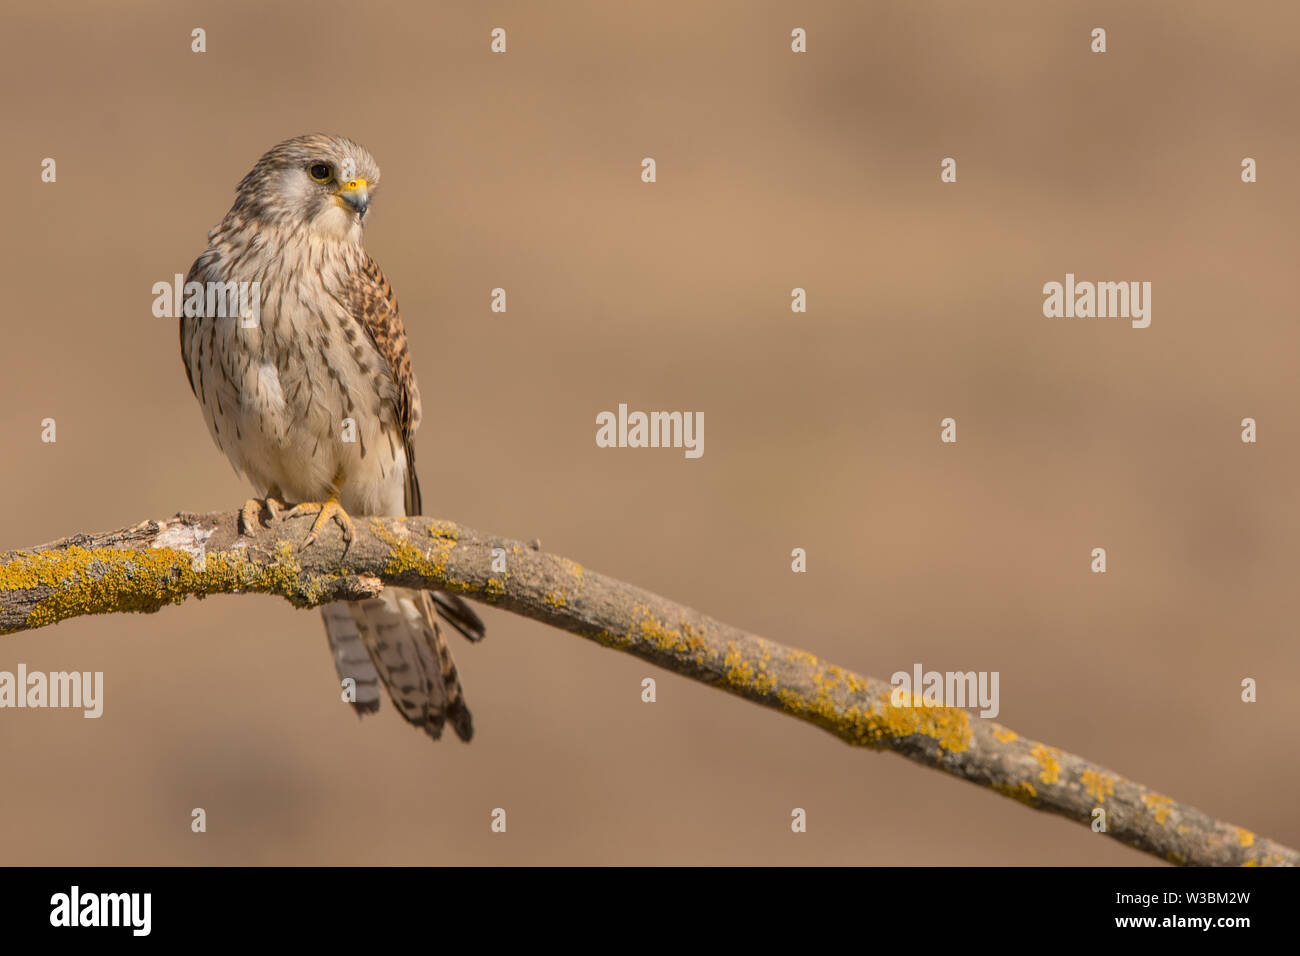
355	193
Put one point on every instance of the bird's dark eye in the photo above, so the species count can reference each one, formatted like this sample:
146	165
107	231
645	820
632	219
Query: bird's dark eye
320	172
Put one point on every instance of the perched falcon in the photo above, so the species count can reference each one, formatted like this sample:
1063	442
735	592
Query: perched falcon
315	402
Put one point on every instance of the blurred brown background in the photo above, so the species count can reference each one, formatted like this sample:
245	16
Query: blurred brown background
775	171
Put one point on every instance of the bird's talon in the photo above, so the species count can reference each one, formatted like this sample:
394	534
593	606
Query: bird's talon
325	511
250	515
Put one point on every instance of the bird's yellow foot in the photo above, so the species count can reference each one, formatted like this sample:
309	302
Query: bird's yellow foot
250	516
324	511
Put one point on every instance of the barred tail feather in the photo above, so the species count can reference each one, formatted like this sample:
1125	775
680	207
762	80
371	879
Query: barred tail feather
399	630
457	710
351	659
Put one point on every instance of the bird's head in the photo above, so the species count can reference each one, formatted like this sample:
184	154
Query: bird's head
317	183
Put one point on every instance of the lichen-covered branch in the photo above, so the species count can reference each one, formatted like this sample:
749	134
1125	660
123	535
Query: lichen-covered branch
159	563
